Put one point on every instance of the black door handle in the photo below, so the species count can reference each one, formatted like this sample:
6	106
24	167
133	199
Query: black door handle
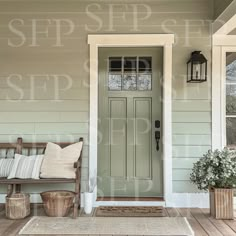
157	133
157	138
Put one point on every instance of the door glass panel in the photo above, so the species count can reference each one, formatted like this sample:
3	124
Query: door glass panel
114	82
129	82
145	73
231	131
115	73
115	64
144	82
130	64
145	64
130	73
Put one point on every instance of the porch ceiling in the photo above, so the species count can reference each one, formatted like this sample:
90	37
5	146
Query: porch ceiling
220	6
225	23
233	32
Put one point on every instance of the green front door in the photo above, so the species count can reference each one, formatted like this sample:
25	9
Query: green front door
130	95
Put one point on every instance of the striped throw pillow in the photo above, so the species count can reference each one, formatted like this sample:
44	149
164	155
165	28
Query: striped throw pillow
26	167
6	166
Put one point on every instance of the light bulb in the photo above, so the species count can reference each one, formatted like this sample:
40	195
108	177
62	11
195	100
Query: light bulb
198	68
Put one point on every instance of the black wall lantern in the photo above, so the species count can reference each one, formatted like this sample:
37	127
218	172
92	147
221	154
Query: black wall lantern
197	68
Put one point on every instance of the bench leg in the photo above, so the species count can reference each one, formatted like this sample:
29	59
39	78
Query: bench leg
76	205
10	189
77	197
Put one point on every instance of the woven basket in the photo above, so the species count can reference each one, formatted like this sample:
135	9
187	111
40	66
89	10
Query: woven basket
17	206
57	203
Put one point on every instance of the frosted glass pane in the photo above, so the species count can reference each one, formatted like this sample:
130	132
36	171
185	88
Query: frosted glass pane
231	131
231	67
114	82
230	99
129	82
145	82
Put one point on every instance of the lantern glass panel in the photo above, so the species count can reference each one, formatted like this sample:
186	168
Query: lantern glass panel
203	71
197	71
189	72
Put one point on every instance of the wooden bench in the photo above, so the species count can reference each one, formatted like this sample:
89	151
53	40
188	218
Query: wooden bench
39	148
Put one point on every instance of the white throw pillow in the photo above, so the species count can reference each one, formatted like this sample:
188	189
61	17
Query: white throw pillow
59	162
6	166
26	167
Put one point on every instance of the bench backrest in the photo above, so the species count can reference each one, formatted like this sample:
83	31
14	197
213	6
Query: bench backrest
26	148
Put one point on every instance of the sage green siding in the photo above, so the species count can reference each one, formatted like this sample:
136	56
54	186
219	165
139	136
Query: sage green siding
44	79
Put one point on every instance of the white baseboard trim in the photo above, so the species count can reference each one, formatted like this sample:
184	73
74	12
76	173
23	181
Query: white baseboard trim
190	200
185	200
128	203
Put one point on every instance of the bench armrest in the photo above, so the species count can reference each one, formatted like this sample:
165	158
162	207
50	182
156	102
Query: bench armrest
77	164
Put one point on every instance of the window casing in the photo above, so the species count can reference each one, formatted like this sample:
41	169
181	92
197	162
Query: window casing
230	99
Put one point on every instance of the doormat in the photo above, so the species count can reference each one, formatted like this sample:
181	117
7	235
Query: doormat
175	226
130	211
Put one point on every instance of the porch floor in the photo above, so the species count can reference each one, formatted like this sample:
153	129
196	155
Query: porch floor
199	219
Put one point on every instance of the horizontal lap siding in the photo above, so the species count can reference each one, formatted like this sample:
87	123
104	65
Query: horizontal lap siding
39	106
191	136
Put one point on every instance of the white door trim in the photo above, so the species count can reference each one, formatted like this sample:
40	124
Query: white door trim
133	40
218	95
222	43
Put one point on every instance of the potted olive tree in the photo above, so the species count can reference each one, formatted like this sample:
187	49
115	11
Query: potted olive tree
216	172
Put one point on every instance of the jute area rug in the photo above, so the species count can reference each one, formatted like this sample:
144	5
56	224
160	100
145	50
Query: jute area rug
175	226
130	211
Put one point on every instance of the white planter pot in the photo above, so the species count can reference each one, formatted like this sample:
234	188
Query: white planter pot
88	202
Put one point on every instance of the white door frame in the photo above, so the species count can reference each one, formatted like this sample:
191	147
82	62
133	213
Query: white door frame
133	40
222	43
219	96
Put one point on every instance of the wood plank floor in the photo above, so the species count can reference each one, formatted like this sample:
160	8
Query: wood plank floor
199	219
